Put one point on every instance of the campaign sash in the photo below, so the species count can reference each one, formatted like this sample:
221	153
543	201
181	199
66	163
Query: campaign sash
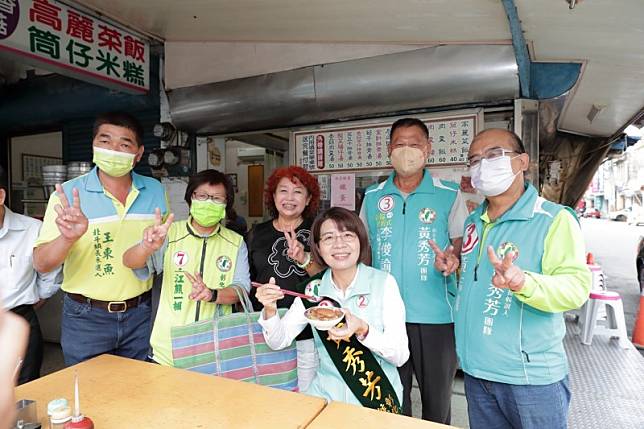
356	364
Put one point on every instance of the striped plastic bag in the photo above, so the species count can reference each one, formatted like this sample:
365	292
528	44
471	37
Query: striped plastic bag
233	346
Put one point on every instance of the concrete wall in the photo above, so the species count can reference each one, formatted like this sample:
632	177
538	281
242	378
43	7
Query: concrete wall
231	164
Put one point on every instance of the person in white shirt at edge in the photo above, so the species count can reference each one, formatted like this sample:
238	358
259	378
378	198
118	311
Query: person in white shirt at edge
23	288
370	299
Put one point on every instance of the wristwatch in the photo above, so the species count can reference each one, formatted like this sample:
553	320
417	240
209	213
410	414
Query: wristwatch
215	292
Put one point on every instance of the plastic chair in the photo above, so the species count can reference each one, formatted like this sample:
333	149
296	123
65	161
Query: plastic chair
592	322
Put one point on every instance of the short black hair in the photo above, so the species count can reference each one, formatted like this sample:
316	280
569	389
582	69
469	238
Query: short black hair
120	119
406	123
212	177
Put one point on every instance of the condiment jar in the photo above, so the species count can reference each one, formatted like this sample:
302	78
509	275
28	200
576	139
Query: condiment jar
59	417
80	422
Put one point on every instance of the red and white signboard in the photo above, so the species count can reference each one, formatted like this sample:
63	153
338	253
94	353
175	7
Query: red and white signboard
57	37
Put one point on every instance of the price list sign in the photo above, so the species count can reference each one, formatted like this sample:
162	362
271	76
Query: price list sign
365	147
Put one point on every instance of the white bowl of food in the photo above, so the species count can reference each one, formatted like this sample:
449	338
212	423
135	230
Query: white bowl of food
324	317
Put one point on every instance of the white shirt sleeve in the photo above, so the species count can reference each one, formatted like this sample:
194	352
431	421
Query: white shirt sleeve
391	343
457	216
280	333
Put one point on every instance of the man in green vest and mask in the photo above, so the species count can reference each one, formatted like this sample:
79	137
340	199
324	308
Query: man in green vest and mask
522	266
402	214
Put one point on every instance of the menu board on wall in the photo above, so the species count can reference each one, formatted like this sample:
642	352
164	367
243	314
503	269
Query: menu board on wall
364	147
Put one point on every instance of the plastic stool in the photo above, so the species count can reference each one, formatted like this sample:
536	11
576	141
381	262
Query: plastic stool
598	277
615	325
598	284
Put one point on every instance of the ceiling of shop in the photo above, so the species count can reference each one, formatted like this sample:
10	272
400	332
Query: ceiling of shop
386	21
606	36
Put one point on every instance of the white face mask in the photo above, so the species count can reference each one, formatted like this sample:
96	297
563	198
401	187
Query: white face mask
407	160
493	177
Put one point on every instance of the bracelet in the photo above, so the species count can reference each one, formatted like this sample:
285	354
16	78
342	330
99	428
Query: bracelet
307	261
215	293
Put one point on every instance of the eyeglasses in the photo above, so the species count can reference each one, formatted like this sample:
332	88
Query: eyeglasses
345	237
202	196
490	154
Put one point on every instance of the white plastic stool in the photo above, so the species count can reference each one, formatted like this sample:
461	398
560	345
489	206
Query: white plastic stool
598	277
598	284
615	325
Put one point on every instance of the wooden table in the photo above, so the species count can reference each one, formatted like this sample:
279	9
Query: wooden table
117	393
340	415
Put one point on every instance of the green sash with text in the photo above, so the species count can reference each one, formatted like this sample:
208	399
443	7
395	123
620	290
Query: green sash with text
357	365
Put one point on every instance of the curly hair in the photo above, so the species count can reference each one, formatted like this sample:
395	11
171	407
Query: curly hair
293	172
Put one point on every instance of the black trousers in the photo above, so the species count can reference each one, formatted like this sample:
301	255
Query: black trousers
433	360
33	357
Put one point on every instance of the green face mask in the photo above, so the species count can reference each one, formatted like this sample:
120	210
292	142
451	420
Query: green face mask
207	213
112	162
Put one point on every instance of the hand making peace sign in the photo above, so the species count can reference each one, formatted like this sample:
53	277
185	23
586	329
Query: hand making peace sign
71	221
295	248
445	261
200	292
154	235
506	274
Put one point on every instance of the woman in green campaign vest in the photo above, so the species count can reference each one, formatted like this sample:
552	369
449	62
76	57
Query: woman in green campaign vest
199	257
358	359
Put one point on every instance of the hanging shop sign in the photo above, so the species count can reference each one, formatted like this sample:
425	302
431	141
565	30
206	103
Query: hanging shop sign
53	36
364	146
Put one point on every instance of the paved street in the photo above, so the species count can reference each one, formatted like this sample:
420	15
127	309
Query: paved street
614	245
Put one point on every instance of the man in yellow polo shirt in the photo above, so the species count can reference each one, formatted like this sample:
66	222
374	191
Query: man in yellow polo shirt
90	221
